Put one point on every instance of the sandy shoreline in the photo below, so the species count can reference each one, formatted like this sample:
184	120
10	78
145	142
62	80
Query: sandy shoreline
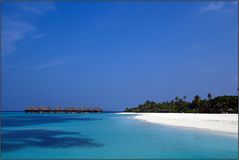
215	122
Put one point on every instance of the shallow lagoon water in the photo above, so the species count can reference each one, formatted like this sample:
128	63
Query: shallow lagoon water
107	135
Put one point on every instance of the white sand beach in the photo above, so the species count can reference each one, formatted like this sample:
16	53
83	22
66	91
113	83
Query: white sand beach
216	122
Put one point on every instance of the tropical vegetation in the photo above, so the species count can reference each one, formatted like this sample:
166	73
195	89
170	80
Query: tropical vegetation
220	104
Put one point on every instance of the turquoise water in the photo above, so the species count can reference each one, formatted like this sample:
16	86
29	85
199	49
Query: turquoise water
107	135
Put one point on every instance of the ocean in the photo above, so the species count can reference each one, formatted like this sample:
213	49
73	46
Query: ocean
108	136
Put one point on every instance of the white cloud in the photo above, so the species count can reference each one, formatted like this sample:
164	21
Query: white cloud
48	64
54	62
14	32
37	7
17	27
213	6
37	36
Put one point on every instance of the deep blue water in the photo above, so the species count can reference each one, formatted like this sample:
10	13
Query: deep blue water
107	135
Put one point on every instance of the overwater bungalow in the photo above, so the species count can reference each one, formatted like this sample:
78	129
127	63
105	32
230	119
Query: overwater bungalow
44	109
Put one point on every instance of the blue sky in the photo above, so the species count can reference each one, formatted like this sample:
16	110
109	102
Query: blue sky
116	55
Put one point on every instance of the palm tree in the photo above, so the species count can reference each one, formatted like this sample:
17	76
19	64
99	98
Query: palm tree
184	97
176	98
197	100
209	95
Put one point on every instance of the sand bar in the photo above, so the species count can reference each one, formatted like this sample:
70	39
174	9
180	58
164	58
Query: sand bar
215	122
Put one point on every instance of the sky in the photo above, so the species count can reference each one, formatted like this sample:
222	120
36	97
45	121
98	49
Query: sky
116	54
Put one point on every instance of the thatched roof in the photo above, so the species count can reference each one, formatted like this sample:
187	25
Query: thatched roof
39	109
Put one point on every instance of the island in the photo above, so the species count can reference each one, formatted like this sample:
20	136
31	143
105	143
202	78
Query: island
215	114
220	104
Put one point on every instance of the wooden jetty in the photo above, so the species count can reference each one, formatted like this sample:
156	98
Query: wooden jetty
44	109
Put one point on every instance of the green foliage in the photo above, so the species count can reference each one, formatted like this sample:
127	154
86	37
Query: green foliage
209	96
221	104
